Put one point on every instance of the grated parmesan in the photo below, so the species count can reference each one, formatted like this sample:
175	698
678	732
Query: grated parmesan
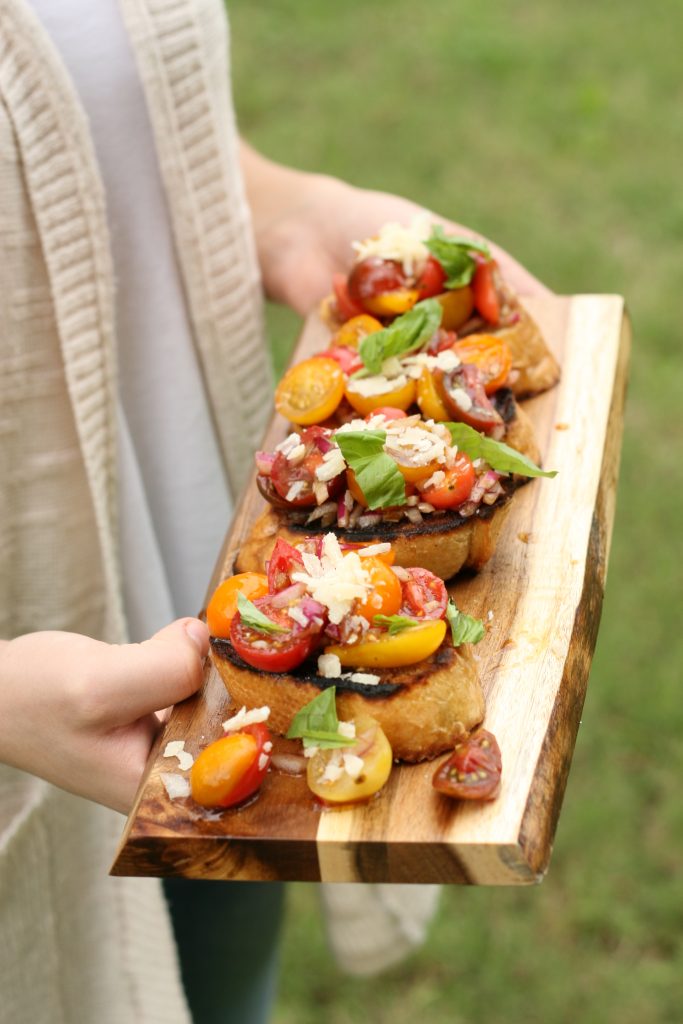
244	717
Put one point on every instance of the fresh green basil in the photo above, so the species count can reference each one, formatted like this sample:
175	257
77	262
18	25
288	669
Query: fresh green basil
498	455
405	334
255	619
454	255
377	475
395	623
317	723
464	628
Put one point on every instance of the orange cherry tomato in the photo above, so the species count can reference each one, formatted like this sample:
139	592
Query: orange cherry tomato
386	593
354	487
401	397
458	305
429	400
354	330
310	391
491	354
232	768
223	604
389	304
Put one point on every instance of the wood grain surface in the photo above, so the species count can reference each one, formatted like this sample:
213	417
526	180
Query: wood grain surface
541	596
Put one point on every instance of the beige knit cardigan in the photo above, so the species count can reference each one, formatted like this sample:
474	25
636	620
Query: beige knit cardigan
78	947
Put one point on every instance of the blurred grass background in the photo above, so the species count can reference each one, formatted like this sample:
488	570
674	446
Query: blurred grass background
555	129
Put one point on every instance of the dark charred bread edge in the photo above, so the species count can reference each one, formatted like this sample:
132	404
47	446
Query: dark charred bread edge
432	522
306	674
505	404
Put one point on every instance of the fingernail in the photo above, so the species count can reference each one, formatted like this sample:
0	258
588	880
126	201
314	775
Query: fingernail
198	634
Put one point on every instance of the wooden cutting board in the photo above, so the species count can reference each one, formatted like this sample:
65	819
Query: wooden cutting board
541	596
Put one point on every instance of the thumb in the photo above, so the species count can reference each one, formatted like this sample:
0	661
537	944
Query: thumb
159	672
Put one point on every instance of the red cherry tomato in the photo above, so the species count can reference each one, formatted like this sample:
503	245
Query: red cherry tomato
432	280
347	357
346	307
442	340
271	652
484	291
389	413
480	413
284	560
473	770
456	486
424	595
286	473
232	768
372	278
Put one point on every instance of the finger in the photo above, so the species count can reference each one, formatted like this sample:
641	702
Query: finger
147	677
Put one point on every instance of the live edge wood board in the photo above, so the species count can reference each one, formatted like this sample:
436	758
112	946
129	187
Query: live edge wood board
541	596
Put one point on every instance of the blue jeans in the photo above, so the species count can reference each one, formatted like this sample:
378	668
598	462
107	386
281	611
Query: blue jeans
227	937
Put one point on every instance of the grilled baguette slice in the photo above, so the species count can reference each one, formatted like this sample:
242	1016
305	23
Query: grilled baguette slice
422	708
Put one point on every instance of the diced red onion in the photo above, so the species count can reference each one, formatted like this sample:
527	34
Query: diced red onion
289	594
322	443
264	462
312	609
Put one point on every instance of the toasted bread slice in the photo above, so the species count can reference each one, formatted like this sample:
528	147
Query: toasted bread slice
422	708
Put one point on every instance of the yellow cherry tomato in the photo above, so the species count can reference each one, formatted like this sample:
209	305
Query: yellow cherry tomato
490	354
310	391
386	594
428	399
341	787
399	396
384	651
354	330
392	303
458	306
220	767
223	604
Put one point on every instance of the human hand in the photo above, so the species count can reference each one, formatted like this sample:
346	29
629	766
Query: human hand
83	714
305	223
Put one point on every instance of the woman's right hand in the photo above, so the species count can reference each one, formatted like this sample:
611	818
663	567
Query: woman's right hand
83	714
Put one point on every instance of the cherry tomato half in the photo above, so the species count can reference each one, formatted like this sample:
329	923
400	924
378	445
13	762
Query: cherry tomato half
457	305
490	354
389	412
232	768
385	594
354	330
484	290
473	770
310	391
456	486
272	652
432	279
381	288
400	394
346	307
286	474
424	595
223	604
284	560
372	747
380	650
431	406
474	407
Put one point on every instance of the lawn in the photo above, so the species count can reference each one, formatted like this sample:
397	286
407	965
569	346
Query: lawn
556	129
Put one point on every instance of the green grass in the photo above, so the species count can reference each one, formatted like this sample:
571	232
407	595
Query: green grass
556	129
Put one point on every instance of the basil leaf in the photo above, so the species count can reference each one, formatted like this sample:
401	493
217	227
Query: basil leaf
453	253
498	455
377	475
464	628
317	723
255	619
407	333
395	623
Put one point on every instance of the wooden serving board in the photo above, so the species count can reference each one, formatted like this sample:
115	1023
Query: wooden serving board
541	596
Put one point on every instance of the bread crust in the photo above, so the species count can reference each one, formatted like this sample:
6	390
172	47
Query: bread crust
422	708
